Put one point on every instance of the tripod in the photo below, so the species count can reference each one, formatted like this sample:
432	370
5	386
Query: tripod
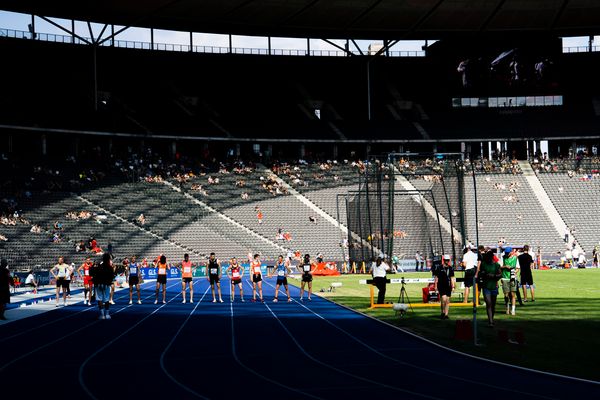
403	299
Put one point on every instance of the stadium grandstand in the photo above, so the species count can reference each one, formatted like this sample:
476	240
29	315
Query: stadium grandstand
347	131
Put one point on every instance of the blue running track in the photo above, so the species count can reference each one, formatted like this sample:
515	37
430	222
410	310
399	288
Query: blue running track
205	350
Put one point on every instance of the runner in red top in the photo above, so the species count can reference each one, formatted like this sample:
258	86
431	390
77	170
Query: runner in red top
186	269
256	275
87	280
235	272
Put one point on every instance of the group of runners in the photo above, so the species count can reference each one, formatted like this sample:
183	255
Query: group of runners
88	272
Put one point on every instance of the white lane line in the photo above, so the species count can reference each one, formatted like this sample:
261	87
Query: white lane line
165	351
82	366
366	345
71	333
376	383
274	382
54	320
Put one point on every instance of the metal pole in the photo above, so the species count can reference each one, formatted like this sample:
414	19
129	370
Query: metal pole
308	46
477	245
368	90
32	27
269	43
152	38
94	46
73	31
230	44
337	205
191	41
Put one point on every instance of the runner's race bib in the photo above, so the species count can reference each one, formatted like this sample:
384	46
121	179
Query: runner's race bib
187	270
306	268
133	271
162	271
213	271
236	274
280	273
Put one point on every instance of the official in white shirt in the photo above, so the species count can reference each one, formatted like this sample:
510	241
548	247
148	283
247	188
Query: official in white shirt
470	261
379	271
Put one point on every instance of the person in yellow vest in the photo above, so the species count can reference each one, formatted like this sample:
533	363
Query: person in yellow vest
186	268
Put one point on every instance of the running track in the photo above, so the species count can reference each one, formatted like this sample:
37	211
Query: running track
309	350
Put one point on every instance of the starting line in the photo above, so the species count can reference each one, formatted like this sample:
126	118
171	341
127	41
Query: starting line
414	305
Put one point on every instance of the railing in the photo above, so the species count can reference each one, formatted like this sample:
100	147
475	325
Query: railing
580	49
129	44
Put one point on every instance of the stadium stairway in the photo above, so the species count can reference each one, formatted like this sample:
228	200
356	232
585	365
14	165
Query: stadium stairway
407	185
165	240
310	204
274	248
542	196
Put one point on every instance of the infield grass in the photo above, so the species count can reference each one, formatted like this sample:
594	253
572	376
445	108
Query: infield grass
561	328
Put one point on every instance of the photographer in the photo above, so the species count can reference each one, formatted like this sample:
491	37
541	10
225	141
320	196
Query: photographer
379	270
489	271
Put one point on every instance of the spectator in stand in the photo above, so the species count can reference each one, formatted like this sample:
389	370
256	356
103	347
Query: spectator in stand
312	219
595	256
259	215
567	234
5	283
569	257
526	263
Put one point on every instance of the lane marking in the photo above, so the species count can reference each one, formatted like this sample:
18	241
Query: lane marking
162	356
376	383
82	366
274	382
372	349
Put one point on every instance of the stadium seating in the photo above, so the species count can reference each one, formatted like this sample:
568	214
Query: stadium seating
577	200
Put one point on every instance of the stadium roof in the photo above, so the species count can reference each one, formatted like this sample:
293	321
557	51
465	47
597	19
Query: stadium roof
354	19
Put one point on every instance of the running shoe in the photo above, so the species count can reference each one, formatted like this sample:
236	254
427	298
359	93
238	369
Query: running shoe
289	299
220	300
164	302
253	300
191	301
274	300
101	316
130	302
112	302
243	300
139	302
107	316
214	300
155	301
183	301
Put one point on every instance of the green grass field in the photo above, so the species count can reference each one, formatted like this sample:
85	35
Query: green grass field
561	328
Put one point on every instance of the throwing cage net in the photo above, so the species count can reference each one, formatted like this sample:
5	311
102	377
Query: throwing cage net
408	203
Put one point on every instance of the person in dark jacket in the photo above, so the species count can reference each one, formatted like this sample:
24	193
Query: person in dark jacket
103	277
5	283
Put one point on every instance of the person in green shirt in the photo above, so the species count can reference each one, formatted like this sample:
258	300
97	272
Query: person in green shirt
490	274
509	281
